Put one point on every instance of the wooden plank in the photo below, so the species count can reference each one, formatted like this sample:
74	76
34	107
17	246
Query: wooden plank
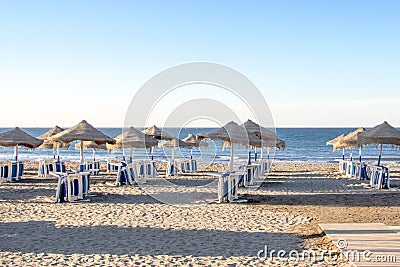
395	228
366	244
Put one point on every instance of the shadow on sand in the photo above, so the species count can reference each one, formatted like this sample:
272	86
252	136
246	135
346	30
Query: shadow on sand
44	237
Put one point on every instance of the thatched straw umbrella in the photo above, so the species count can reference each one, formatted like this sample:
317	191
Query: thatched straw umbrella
16	137
381	134
47	144
158	134
133	138
336	140
266	137
175	143
191	139
349	141
90	144
230	133
83	131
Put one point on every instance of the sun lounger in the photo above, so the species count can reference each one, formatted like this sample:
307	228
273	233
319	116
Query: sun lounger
183	166
172	170
249	175
78	186
193	165
93	167
59	167
72	187
363	172
4	170
122	175
44	168
20	169
140	168
62	188
360	171
188	166
12	171
257	171
350	169
112	166
380	177
266	166
150	169
131	170
223	187
343	165
228	186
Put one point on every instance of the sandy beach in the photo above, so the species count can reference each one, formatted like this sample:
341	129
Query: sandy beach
122	226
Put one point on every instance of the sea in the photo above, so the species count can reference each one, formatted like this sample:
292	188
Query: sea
303	145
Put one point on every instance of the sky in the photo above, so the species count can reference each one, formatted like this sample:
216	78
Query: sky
326	63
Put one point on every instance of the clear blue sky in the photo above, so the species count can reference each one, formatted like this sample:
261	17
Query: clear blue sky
318	63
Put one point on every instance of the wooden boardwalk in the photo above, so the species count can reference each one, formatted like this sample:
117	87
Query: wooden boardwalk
366	244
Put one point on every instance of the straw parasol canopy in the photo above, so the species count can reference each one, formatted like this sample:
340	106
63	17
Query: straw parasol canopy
335	140
231	133
55	130
266	137
133	138
83	131
90	144
17	137
381	134
191	139
47	144
157	133
348	141
174	143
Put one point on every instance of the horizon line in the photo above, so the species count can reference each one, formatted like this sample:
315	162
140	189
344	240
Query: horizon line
192	127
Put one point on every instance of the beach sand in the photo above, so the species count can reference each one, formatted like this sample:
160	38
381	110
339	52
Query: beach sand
123	226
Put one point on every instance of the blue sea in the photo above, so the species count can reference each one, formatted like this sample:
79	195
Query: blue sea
302	145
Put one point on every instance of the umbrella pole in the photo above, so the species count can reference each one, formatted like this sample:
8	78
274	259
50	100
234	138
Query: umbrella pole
231	160
261	153
380	156
94	155
249	157
255	154
351	154
360	152
152	152
191	153
268	152
58	152
16	152
82	160
131	153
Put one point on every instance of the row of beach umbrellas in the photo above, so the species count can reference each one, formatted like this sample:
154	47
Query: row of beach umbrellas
382	134
248	134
